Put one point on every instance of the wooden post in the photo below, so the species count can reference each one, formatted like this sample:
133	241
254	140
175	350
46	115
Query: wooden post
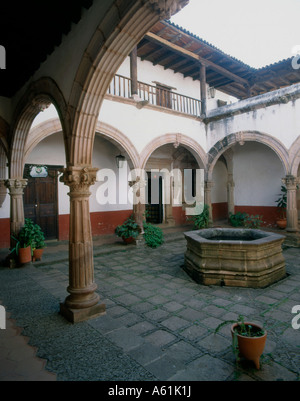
203	89
133	72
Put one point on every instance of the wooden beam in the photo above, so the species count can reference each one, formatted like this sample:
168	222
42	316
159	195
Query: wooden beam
203	61
162	58
175	63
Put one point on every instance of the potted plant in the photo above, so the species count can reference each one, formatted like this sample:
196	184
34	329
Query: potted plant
281	204
128	231
24	241
38	244
248	339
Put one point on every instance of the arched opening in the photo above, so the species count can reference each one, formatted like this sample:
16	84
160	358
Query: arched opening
110	202
175	184
249	179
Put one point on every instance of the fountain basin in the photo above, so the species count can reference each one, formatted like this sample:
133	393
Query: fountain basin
235	257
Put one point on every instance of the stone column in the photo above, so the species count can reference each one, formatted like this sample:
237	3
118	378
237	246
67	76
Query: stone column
139	205
83	302
290	182
16	187
3	192
230	194
207	199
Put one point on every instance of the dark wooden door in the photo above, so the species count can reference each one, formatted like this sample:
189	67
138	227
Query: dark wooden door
154	207
40	201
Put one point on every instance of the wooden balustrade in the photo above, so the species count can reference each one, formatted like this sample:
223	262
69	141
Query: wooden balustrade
121	86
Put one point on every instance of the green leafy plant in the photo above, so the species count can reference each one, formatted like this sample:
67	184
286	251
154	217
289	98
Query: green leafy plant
200	220
282	201
25	237
39	237
242	219
129	229
153	235
237	219
253	221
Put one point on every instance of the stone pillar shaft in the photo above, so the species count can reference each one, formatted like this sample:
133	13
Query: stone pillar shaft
291	212
16	190
139	202
207	199
230	194
82	303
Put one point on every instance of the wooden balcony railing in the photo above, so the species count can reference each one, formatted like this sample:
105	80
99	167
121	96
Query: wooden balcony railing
121	86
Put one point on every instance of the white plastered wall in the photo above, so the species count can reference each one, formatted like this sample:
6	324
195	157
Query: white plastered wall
142	126
257	173
219	178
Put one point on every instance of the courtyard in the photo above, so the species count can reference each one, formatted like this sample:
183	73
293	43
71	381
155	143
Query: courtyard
159	324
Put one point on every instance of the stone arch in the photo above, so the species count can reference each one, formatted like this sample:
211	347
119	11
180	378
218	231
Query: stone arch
53	125
240	137
294	156
122	28
4	134
176	139
39	95
118	137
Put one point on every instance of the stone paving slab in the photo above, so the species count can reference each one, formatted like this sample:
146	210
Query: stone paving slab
159	324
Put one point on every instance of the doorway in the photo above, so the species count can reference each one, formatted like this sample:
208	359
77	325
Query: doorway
41	198
154	206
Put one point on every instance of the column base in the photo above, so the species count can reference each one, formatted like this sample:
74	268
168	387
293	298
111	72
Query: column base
140	241
80	315
171	221
292	239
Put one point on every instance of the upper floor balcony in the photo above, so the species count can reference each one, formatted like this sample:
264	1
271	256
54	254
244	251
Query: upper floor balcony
155	95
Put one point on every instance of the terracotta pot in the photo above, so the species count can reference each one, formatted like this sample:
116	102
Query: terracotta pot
25	255
128	240
37	254
281	223
250	348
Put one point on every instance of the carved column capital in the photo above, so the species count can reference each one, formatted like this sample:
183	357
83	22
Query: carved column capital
41	103
138	183
15	185
167	8
208	185
290	181
79	179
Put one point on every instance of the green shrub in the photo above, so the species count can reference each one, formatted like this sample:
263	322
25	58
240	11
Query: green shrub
200	220
128	229
237	220
253	221
241	219
153	235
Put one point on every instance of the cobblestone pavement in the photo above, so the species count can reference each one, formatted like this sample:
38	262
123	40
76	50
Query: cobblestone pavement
159	324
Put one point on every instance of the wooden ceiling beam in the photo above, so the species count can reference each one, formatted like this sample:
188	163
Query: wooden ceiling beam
175	64
160	59
187	64
203	61
151	53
